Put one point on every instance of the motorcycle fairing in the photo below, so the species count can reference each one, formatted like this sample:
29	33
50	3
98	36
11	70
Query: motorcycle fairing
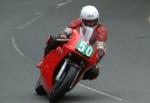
54	58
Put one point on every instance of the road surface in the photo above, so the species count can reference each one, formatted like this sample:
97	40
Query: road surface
125	70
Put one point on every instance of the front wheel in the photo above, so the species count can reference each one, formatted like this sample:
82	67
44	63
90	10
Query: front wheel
62	86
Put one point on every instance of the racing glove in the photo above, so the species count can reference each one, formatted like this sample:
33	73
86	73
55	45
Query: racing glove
65	33
68	31
101	46
62	36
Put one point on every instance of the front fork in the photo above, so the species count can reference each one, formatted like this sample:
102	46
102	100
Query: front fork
62	70
76	79
58	77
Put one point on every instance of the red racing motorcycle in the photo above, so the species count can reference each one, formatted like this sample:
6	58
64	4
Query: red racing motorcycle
65	66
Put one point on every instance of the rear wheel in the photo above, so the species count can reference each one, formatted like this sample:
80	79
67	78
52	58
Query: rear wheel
39	88
63	85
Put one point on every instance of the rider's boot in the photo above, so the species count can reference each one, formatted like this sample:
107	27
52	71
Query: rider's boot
91	74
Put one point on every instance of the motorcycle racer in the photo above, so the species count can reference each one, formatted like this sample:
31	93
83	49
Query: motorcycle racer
90	30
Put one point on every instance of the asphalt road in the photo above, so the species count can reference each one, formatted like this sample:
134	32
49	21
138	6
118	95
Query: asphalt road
125	70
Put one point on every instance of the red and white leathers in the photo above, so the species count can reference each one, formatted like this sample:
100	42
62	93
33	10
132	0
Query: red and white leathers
97	37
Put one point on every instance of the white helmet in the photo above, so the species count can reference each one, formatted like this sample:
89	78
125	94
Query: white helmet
89	16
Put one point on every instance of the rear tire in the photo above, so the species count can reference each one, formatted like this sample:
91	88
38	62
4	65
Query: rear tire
61	88
39	88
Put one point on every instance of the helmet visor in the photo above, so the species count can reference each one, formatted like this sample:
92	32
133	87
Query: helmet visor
90	23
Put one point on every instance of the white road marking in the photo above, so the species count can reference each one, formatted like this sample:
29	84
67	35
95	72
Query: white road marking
16	47
149	19
101	93
31	21
64	3
39	12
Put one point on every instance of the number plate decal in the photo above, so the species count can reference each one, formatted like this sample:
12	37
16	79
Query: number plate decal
85	49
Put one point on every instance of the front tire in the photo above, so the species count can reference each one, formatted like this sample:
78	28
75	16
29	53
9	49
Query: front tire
61	88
